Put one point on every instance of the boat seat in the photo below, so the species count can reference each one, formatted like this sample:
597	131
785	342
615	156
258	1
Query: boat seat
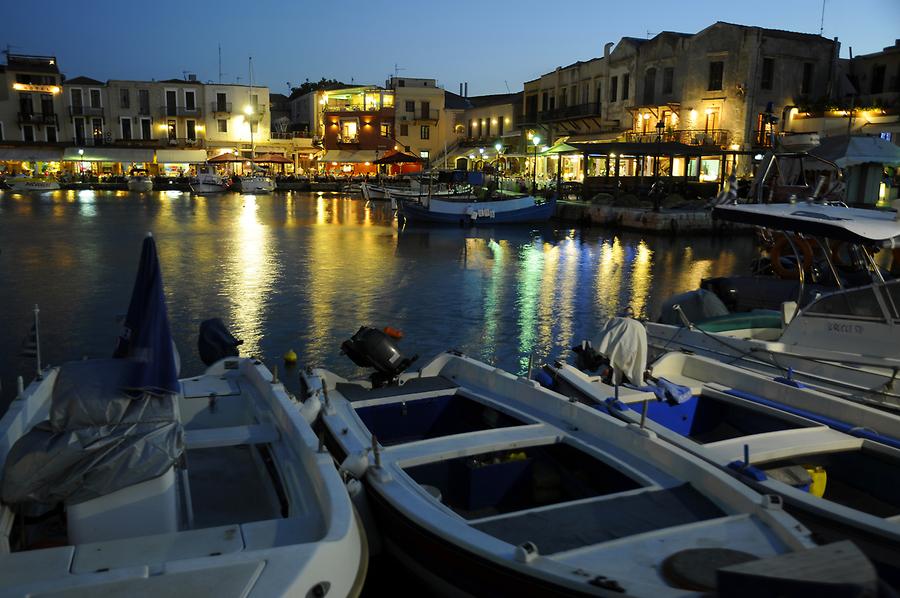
231	436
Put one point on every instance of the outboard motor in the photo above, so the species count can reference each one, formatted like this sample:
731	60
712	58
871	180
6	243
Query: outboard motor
216	342
372	348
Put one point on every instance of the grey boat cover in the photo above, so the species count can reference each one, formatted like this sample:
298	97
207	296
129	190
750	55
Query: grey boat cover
98	439
697	305
623	341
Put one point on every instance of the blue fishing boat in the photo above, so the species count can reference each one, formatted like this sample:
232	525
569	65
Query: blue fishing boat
468	210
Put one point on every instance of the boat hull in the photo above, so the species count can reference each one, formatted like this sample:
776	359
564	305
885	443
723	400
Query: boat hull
33	186
477	213
140	185
257	185
207	188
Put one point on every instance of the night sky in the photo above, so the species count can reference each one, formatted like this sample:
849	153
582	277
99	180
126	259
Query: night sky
489	43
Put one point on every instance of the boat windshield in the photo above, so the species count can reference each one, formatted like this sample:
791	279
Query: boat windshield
860	303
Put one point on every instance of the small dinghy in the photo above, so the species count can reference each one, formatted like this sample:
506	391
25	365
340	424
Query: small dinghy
121	480
836	463
485	483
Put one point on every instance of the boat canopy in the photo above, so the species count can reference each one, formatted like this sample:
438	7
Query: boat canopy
835	222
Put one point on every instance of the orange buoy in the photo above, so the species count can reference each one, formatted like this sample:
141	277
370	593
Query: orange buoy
393	332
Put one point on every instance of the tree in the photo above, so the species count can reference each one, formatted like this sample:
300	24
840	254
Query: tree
308	86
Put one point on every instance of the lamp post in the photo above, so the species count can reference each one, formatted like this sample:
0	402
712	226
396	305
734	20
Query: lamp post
657	190
536	141
498	146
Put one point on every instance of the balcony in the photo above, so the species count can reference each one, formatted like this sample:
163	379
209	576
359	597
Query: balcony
85	110
527	119
432	115
703	137
355	108
290	135
345	139
38	118
182	142
166	111
220	107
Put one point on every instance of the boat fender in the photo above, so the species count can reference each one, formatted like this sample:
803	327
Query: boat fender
356	464
819	480
526	552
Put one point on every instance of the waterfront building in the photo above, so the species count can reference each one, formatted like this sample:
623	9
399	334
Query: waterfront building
486	132
31	102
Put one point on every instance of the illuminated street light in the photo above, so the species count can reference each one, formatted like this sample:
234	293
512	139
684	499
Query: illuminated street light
536	140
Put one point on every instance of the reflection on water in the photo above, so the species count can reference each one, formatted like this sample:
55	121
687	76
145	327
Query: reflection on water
303	271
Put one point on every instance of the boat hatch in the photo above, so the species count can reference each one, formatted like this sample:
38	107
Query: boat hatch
859	479
522	478
432	417
706	419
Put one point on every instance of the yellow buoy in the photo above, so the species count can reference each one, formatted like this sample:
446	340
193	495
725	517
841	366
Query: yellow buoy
290	357
819	480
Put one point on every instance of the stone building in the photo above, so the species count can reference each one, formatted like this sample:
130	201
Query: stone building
421	126
31	100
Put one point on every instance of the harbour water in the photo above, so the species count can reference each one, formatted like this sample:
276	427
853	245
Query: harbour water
304	271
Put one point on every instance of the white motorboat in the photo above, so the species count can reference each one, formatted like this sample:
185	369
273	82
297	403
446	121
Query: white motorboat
842	342
485	483
372	191
208	181
22	182
121	480
257	182
140	180
834	462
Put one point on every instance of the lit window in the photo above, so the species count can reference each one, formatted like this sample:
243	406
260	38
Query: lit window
223	125
425	132
349	129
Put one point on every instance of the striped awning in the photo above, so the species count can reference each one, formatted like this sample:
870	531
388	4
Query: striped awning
107	154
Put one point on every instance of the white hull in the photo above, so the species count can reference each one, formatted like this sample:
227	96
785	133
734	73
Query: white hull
32	185
207	188
140	184
301	529
257	185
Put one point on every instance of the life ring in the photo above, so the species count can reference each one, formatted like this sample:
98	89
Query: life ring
837	258
775	257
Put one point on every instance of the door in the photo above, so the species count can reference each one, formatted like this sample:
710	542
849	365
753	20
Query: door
171	103
190	100
46	104
26	106
426	109
144	101
173	130
221	101
126	129
146	132
79	130
191	130
97	129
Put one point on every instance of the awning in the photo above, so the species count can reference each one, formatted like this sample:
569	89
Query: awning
107	154
180	156
31	154
593	137
272	159
398	158
343	156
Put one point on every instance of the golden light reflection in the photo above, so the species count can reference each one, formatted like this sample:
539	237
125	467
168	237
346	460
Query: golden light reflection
493	297
641	278
609	276
531	260
567	284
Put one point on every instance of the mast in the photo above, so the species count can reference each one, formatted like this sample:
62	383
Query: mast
250	105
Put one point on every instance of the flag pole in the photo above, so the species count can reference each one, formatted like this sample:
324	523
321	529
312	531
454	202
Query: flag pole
37	341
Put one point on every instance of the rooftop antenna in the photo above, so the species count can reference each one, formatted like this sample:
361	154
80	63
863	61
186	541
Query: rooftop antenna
822	22
184	75
397	69
220	63
505	82
8	51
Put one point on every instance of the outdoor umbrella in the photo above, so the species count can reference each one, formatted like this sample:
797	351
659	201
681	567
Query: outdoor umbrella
853	150
147	338
398	158
272	159
226	157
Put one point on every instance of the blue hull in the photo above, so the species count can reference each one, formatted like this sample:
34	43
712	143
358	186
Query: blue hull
415	212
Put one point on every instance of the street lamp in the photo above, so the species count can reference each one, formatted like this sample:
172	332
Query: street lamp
498	146
657	188
536	140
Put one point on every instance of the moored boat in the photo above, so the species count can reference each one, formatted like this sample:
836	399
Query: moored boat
21	182
467	210
484	483
140	180
119	479
257	181
208	181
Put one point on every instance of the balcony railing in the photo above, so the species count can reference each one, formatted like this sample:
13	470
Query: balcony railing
85	111
355	108
38	118
348	139
432	114
711	137
182	142
220	107
291	135
527	118
167	110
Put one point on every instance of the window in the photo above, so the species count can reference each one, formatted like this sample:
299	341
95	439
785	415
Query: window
599	96
173	130
1	131
79	130
95	98
877	79
613	89
649	86
424	154
349	130
192	130
190	100
146	129
426	109
77	100
26	106
544	102
716	69
486	127
806	84
171	102
626	84
27	133
402	83
124	98
500	126
46	104
52	136
425	132
386	129
221	103
768	74
222	125
97	127
668	79
552	102
410	106
563	97
144	101
126	128
254	127
404	130
254	102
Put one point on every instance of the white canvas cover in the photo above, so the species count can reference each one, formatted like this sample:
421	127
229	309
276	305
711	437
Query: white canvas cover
624	342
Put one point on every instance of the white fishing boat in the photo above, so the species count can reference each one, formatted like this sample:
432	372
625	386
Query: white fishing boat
836	463
258	181
139	180
485	483
843	342
22	182
208	181
372	191
121	480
